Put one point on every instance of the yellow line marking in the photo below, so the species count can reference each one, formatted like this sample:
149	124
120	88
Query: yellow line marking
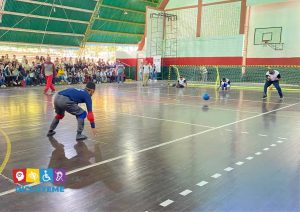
8	151
243	87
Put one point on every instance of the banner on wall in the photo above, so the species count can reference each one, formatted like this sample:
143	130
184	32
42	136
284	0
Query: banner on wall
157	62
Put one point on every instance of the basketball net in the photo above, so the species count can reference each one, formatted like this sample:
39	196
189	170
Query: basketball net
265	43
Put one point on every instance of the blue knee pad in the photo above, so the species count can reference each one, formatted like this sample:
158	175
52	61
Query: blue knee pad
82	115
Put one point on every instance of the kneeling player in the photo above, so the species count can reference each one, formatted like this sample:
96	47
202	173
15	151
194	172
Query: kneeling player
225	84
181	82
67	100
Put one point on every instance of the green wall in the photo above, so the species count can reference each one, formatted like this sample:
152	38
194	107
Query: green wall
181	3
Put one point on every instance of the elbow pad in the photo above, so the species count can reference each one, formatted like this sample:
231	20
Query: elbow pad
90	117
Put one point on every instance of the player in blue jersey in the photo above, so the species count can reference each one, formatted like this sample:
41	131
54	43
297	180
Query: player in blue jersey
67	100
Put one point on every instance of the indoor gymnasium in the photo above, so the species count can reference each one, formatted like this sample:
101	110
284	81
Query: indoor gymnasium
149	105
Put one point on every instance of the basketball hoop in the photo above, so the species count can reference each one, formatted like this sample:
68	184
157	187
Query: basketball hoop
265	43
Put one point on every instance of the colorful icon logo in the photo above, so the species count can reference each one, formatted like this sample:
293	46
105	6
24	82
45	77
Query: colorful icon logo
33	175
46	175
59	176
19	175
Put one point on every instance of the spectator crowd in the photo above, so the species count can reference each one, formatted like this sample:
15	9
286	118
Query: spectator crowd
14	72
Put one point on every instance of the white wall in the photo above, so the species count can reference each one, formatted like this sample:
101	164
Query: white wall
221	20
186	22
285	15
126	54
256	2
230	46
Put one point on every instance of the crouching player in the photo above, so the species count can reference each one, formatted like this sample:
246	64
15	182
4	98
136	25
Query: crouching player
67	100
225	84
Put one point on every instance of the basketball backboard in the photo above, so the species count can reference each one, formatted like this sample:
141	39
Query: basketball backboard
271	35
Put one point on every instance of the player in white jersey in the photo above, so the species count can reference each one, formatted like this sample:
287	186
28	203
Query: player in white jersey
181	82
225	84
273	77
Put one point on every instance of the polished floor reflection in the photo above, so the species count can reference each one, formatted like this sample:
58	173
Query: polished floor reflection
159	149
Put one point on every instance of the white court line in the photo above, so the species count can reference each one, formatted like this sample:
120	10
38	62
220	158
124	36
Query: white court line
167	120
245	132
262	135
185	192
202	183
239	163
279	142
249	158
281	138
215	108
14	190
217	175
149	117
188	105
10	180
228	169
166	203
258	153
162	144
228	130
266	149
231	99
273	145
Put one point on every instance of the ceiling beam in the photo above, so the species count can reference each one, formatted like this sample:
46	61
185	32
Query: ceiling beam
124	9
41	32
36	45
78	9
125	44
56	6
163	4
117	21
150	2
144	1
90	25
116	33
43	17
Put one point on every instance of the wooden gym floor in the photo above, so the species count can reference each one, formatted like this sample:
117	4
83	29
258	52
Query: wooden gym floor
159	149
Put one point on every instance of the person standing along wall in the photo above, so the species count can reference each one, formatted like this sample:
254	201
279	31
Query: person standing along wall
146	74
141	72
204	73
49	71
120	69
154	73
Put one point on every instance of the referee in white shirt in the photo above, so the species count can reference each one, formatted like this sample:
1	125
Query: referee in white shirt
273	77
